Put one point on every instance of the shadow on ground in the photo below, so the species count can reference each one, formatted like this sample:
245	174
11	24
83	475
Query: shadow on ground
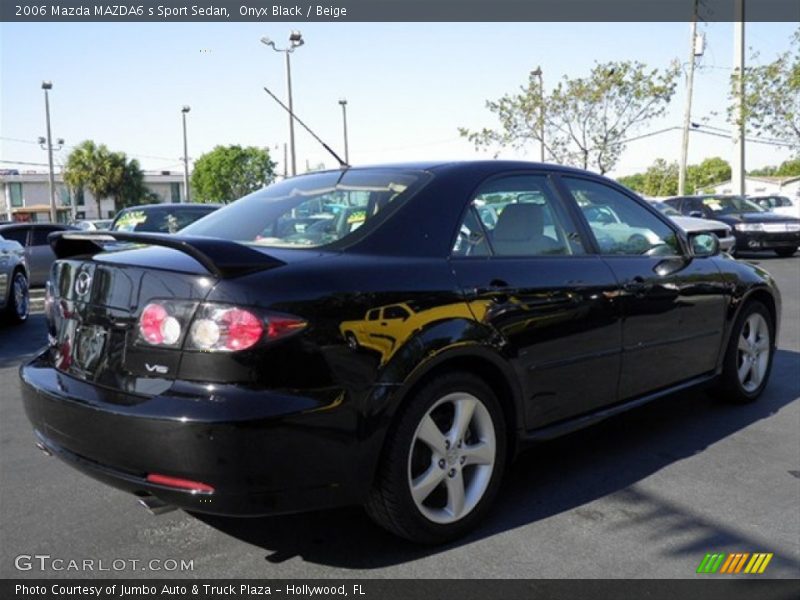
562	475
18	342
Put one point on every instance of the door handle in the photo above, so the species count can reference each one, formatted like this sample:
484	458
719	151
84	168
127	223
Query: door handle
498	284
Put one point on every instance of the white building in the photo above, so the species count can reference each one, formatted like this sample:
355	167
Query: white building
25	196
764	186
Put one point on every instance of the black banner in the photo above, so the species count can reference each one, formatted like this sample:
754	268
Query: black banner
388	589
393	10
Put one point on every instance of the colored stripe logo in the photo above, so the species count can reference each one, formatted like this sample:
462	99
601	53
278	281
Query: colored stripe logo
735	563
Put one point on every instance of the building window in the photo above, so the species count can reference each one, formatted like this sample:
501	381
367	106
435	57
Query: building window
175	192
79	197
63	192
16	194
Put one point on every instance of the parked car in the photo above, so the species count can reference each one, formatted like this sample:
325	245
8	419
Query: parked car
781	205
225	372
753	227
14	296
39	255
94	224
162	218
694	224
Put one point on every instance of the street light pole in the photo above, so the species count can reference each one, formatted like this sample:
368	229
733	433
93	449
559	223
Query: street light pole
47	86
538	73
687	114
343	102
187	193
295	41
737	167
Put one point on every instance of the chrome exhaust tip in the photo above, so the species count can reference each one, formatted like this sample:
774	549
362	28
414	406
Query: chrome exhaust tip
45	450
156	506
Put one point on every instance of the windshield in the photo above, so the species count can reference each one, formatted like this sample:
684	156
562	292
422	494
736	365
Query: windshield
725	205
313	210
167	219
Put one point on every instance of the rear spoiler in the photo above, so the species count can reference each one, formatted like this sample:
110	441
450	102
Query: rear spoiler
222	258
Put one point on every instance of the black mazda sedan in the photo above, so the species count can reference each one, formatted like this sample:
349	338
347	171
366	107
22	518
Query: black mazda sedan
379	336
753	227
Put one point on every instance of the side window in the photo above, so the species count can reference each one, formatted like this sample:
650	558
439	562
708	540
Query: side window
395	312
374	314
620	225
39	237
18	235
517	215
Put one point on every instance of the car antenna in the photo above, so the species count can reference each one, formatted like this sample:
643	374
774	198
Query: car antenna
342	163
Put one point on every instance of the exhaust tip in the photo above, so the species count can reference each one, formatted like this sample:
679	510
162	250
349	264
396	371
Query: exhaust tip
156	506
45	450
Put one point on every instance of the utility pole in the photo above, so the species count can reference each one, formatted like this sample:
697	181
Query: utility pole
538	73
47	86
187	194
737	171
343	102
687	115
285	162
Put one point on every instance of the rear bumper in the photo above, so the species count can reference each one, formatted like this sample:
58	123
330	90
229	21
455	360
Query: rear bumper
262	452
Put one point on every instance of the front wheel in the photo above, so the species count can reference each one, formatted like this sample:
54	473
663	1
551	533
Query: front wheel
748	359
785	252
443	461
18	302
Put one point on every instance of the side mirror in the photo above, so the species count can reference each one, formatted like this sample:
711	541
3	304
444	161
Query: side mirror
704	244
696	213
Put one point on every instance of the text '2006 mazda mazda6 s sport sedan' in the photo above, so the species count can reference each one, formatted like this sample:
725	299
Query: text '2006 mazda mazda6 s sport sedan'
386	336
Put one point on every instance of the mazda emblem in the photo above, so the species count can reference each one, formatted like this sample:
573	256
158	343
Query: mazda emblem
83	283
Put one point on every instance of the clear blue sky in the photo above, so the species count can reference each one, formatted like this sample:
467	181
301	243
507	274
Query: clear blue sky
409	86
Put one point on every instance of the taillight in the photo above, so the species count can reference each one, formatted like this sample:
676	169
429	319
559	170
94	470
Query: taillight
164	322
212	327
219	328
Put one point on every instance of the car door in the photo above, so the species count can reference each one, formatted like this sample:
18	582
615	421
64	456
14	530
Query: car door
529	276
40	254
673	304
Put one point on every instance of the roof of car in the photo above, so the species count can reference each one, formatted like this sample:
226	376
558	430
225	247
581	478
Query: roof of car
457	164
170	204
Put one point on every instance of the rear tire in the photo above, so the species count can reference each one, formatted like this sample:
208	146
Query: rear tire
785	252
18	301
443	461
748	359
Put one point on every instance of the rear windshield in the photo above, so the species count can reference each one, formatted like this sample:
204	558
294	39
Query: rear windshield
328	208
168	219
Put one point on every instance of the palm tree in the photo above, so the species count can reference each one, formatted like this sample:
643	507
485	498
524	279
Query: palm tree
94	168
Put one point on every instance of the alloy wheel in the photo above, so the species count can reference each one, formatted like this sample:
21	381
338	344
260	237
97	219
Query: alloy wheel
753	352
20	291
452	458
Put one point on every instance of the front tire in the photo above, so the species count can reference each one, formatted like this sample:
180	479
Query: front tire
748	359
443	461
785	252
18	302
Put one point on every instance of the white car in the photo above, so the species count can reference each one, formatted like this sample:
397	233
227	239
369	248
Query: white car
781	205
693	224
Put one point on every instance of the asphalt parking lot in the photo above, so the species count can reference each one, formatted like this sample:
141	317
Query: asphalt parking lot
646	494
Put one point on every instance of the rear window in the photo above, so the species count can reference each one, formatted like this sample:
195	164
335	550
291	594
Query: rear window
159	220
328	208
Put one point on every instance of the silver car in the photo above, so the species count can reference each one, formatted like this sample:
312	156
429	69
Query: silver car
14	298
694	224
32	237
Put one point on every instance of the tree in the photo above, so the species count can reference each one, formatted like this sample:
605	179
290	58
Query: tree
707	173
788	168
94	168
661	178
772	97
132	189
586	120
229	172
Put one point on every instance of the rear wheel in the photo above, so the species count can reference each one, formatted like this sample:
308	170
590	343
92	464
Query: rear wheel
785	252
748	359
443	461
18	302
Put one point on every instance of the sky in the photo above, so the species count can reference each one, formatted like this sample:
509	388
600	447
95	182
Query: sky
409	86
